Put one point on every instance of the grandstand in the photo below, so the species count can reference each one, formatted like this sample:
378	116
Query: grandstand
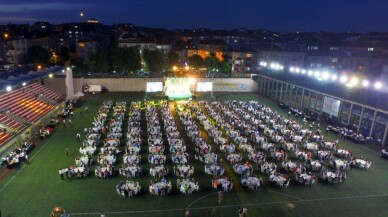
25	106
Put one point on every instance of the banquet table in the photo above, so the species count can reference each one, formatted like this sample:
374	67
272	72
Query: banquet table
83	160
222	183
111	159
215	170
187	187
158	171
89	150
315	165
131	159
130	171
251	182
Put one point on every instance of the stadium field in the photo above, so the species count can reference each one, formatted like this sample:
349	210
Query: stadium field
35	189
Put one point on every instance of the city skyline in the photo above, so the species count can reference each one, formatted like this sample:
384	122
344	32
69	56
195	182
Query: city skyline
278	15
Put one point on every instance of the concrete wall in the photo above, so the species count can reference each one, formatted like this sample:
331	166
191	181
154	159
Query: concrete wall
140	84
56	84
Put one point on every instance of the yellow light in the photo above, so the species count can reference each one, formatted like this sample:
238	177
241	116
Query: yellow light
50	75
192	81
39	67
174	68
187	67
354	81
6	35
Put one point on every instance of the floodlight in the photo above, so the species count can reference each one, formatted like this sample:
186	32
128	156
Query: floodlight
365	83
310	73
378	85
325	75
24	83
343	79
334	77
354	80
297	70
303	71
292	69
8	88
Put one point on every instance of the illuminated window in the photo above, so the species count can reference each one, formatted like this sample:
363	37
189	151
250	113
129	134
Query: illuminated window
81	44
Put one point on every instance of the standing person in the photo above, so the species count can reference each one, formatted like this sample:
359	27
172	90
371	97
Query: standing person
103	214
70	123
80	112
220	197
214	210
64	122
26	160
61	174
63	213
67	151
72	114
242	211
78	136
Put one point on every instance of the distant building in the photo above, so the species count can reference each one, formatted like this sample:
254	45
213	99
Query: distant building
283	57
144	44
16	50
86	47
242	61
93	20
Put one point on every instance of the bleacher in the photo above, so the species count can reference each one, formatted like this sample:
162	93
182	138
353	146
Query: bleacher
49	94
4	136
25	105
10	123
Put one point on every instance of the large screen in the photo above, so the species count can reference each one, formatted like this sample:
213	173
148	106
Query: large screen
154	87
204	86
331	106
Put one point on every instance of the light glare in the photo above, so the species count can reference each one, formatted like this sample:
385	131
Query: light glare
365	83
378	85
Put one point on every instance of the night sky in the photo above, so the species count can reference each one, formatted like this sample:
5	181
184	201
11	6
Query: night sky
278	15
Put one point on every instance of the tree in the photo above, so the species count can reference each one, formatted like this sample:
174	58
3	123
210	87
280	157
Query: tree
126	59
225	67
173	58
64	54
98	61
79	66
154	60
211	63
196	61
37	54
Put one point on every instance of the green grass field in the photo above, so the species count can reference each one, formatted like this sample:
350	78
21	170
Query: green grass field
35	189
